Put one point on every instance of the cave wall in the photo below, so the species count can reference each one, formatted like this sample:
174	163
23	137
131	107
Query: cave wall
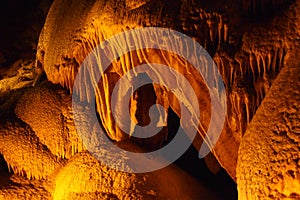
250	41
248	53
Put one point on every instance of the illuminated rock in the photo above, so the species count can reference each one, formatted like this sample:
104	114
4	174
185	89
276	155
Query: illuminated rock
87	178
24	153
45	153
47	110
249	58
268	164
39	174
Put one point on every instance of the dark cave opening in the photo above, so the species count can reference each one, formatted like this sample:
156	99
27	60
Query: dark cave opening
221	182
4	172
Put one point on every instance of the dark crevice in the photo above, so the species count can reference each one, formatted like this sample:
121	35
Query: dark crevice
21	23
221	183
4	172
257	12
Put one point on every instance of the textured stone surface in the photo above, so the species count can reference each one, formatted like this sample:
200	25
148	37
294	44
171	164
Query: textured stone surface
268	164
86	178
250	42
39	174
19	75
40	154
47	110
249	55
23	151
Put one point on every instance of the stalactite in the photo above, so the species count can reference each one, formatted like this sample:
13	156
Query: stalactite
210	29
226	33
269	156
217	29
221	31
247	79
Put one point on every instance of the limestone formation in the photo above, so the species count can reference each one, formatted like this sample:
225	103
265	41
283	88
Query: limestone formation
59	135
40	155
268	164
249	56
255	45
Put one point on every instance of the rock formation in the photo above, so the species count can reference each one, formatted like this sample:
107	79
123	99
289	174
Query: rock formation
43	171
249	56
268	165
255	45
